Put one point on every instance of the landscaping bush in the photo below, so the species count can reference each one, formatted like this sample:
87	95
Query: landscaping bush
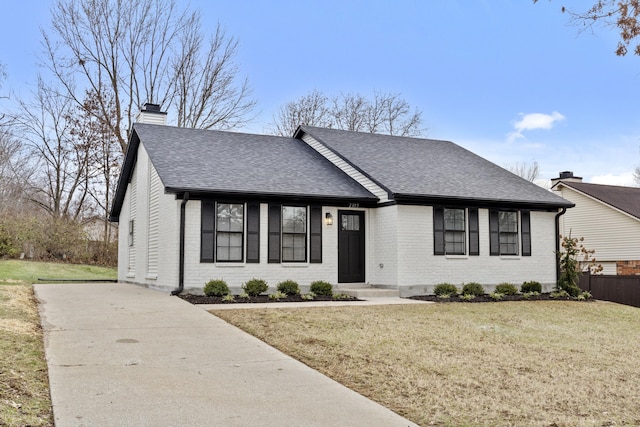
442	289
322	288
473	288
289	287
531	286
255	287
216	288
506	289
277	295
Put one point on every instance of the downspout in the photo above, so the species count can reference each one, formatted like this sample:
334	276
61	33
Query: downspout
183	205
558	215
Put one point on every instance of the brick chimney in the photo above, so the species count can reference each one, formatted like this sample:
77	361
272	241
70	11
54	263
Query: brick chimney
151	114
565	176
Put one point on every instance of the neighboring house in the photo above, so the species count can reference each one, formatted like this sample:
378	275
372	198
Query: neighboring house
97	228
608	217
345	207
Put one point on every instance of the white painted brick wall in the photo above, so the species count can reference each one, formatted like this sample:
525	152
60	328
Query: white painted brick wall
420	270
236	274
382	246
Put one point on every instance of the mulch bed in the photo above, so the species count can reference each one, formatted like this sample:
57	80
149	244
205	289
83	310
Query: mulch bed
487	298
201	299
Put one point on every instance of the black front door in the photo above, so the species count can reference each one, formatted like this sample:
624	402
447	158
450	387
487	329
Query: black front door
350	246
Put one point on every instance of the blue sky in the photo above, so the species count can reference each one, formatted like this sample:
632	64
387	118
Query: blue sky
509	80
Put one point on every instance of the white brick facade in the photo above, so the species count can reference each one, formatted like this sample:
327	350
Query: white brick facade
399	252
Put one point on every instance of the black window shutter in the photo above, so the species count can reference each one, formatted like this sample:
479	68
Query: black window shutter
494	233
526	233
438	230
315	235
207	231
275	212
253	232
474	234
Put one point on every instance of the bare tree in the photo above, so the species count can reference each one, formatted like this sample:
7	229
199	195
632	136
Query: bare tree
386	113
621	14
60	185
528	171
15	170
350	112
311	109
206	93
104	158
144	51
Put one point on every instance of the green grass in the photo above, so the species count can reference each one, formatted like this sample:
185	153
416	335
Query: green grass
546	363
31	271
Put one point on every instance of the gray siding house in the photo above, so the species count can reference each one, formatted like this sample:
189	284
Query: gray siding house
345	207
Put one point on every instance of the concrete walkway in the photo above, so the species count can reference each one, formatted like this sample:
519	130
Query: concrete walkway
123	355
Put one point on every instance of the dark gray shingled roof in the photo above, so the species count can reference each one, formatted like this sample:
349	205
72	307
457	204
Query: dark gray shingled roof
627	199
205	160
415	167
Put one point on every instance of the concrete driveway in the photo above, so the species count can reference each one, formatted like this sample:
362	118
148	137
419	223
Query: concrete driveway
123	355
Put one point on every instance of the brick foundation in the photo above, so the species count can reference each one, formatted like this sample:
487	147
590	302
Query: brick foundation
626	268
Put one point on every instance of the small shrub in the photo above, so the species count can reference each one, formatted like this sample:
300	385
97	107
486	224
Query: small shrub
255	287
506	289
467	297
277	295
289	287
531	286
228	298
584	296
322	288
341	296
496	296
473	289
559	294
528	295
444	296
445	289
244	295
216	288
308	297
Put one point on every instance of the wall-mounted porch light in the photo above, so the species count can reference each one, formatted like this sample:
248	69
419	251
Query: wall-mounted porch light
328	218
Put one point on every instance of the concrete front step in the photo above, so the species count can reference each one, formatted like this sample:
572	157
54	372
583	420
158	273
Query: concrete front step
369	292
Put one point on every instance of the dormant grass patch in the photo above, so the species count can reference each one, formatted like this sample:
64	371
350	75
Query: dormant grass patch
559	363
24	386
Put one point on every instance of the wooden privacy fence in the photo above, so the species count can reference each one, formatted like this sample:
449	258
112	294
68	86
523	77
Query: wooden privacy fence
620	289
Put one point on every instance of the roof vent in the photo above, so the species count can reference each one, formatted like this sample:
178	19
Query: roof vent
150	113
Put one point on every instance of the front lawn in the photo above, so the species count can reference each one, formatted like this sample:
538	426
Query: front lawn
31	271
559	363
24	385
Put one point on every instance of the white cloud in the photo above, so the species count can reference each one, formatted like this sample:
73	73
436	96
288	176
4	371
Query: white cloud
533	121
625	179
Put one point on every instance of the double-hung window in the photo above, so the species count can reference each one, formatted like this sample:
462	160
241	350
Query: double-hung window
229	232
504	236
294	234
454	231
450	231
227	228
287	234
508	229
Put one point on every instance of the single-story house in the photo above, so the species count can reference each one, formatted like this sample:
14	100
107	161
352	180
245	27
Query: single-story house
325	204
608	217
